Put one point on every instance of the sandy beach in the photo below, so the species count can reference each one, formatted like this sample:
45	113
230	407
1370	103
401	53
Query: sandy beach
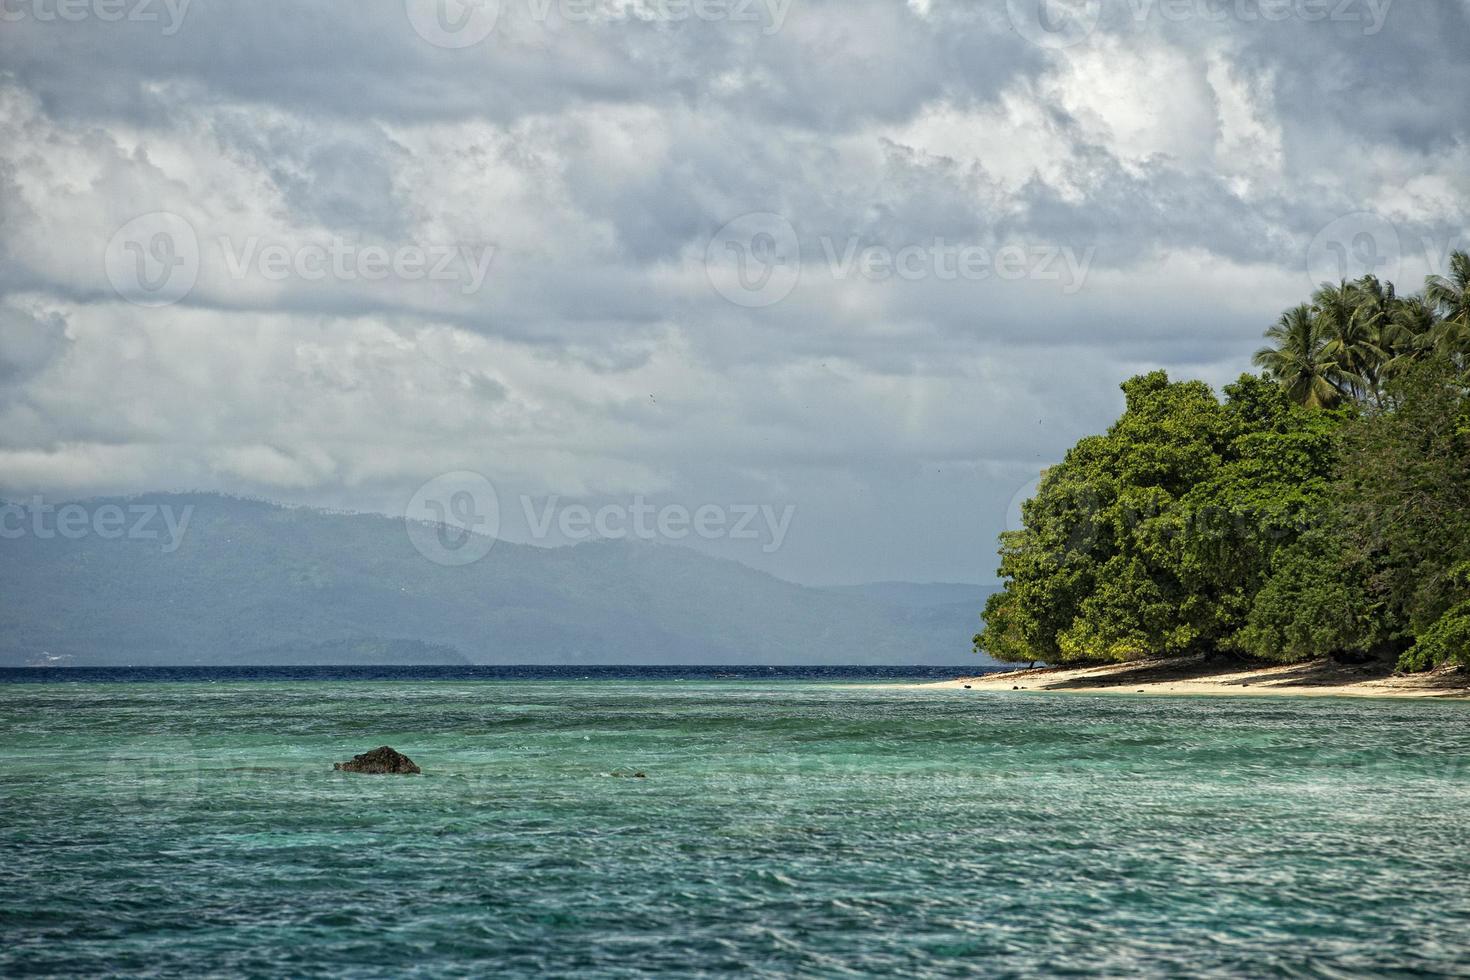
1200	675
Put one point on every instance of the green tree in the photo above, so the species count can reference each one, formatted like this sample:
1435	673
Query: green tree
1349	342
1320	509
1295	358
1313	604
1449	296
1416	324
1154	538
1403	496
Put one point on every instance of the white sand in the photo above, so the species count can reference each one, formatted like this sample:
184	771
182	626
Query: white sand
1322	678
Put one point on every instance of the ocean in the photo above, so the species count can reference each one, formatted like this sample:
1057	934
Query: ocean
788	822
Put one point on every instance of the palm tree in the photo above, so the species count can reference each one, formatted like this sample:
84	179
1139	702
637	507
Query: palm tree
1386	336
1414	323
1298	360
1450	297
1348	335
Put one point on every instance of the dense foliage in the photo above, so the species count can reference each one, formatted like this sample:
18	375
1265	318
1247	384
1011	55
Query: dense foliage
1321	509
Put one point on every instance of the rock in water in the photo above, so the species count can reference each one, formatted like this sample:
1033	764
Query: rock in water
382	759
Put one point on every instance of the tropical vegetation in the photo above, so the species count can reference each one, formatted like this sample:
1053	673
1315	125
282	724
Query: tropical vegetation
1320	508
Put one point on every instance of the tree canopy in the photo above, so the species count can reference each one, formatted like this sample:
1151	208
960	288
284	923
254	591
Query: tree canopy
1320	508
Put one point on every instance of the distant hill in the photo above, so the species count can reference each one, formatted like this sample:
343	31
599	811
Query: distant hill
922	595
947	608
253	582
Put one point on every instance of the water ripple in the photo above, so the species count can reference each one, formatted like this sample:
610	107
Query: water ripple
783	828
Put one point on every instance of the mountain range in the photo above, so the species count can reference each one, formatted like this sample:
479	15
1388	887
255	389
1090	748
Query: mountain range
250	582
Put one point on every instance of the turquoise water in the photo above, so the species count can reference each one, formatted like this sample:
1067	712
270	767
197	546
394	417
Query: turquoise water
784	828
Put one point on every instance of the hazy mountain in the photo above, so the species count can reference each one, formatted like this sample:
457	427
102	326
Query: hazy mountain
946	608
252	582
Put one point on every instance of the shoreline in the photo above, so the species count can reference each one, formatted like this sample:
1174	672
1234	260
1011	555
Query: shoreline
1235	678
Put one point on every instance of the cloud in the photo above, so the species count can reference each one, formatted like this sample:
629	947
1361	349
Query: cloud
543	203
29	344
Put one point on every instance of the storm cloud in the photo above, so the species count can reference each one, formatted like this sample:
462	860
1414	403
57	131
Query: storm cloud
881	261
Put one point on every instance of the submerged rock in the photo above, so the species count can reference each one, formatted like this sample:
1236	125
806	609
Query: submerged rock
379	760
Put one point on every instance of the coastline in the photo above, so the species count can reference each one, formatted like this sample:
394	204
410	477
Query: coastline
1210	676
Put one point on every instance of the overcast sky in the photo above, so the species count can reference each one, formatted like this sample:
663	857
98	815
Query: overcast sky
875	261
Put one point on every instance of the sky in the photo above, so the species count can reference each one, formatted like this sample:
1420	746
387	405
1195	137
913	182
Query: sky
815	286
